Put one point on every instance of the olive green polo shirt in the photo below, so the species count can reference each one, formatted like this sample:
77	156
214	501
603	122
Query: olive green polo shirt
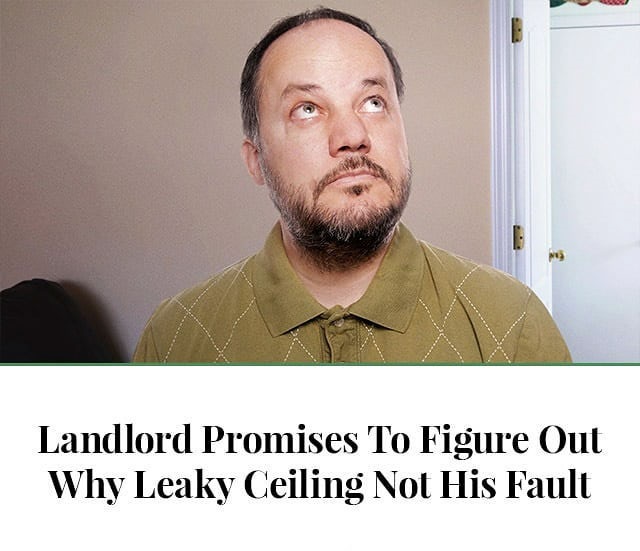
424	305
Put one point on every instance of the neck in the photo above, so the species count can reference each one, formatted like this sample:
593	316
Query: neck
329	283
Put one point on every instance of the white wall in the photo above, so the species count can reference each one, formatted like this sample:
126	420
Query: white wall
120	168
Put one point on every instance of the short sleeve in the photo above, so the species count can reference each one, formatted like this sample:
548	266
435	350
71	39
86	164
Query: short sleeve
540	340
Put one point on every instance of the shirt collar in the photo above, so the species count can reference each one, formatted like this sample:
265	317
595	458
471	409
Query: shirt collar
283	301
393	293
390	300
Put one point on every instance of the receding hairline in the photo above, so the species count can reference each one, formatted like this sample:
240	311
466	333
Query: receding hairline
314	22
250	91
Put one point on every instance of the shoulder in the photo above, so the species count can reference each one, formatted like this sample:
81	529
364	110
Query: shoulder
210	293
463	273
509	320
194	311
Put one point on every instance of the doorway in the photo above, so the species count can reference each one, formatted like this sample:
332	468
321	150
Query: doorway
595	181
595	301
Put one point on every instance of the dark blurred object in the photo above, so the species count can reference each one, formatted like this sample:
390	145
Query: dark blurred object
40	322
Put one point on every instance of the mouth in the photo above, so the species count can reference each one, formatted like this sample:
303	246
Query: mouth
353	177
353	173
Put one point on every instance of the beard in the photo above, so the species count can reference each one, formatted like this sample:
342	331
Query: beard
335	239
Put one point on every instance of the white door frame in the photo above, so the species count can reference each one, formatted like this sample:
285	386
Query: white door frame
502	150
520	180
520	134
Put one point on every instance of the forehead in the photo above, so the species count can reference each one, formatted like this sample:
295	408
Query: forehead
317	50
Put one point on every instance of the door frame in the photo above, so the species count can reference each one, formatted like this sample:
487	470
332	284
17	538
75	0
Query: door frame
520	166
520	132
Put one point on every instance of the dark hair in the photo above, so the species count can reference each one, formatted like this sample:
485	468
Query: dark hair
249	92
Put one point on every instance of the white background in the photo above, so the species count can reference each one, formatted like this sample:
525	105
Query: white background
325	399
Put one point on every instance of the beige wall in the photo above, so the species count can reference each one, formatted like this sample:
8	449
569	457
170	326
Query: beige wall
120	168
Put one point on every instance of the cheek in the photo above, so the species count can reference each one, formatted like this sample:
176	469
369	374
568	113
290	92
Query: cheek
389	136
393	153
297	164
303	156
400	139
402	150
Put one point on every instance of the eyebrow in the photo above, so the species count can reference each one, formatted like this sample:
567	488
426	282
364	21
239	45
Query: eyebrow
290	88
376	81
314	88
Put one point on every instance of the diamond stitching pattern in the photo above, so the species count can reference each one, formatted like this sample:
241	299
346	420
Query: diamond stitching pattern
441	332
206	331
500	342
370	334
188	313
233	328
295	340
459	294
475	325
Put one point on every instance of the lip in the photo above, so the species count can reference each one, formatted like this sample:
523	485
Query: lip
353	177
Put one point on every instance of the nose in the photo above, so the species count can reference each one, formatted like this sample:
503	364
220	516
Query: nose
349	135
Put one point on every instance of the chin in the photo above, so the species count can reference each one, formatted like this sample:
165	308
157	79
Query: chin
357	212
355	203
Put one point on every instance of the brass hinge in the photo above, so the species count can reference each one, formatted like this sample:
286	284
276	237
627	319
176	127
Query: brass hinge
516	29
518	238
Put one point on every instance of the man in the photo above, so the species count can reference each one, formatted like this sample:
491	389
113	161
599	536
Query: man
340	279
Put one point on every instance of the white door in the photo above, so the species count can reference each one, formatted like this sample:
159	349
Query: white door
595	183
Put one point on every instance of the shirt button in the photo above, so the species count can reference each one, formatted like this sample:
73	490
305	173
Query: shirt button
339	322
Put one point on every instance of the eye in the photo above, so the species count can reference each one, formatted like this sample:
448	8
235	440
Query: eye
374	104
305	111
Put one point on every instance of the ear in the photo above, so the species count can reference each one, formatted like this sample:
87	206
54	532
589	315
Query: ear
250	154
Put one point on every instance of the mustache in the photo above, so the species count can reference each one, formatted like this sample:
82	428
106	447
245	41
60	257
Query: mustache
349	164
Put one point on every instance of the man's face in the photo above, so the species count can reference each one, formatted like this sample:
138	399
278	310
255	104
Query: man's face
332	140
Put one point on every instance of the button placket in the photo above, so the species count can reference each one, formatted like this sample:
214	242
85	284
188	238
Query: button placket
341	334
340	330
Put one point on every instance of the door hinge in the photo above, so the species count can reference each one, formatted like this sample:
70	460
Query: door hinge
516	30
518	238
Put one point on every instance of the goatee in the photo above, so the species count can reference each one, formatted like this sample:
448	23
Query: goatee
339	239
